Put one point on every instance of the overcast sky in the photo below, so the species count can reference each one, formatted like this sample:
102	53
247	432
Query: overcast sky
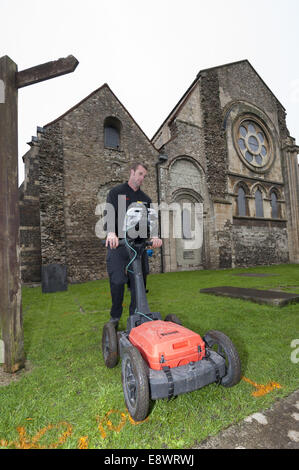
148	52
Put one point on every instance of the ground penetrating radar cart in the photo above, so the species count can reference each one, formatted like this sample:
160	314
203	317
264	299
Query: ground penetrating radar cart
162	358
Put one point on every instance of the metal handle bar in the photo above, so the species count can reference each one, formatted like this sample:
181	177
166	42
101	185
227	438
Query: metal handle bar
122	242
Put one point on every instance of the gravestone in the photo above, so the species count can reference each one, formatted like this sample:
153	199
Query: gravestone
54	278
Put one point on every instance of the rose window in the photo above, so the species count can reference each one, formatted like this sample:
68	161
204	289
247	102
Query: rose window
253	143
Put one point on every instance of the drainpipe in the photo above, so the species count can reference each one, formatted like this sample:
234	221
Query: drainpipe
161	159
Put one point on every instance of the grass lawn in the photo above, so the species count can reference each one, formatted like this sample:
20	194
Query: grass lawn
69	399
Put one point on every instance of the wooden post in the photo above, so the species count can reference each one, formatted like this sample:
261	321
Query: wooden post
11	325
10	277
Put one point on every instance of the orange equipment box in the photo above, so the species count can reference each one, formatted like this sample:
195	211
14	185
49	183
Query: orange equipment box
164	343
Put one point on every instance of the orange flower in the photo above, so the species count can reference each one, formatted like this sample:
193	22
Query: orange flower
121	424
83	442
136	422
25	444
262	389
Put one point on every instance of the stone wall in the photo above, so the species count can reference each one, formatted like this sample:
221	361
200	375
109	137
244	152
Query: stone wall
30	218
214	136
261	242
254	241
51	179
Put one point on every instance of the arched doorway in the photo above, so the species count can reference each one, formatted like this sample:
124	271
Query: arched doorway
183	187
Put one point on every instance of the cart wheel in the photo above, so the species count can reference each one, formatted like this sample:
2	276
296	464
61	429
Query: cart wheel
134	376
110	345
172	317
219	342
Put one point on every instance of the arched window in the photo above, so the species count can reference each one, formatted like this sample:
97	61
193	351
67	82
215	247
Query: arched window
259	209
112	127
274	206
241	202
186	224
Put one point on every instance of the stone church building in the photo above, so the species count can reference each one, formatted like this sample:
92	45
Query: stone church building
225	145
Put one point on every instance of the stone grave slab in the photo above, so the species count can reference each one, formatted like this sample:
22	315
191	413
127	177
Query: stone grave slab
270	297
255	274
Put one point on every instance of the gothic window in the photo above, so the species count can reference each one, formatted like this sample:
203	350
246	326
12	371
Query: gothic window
259	209
112	128
274	206
241	202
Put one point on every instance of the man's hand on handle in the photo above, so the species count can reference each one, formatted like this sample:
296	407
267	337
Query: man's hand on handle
112	240
156	242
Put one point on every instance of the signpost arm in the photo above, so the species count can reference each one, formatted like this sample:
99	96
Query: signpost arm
46	71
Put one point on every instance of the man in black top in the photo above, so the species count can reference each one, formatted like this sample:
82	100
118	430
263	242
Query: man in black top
118	259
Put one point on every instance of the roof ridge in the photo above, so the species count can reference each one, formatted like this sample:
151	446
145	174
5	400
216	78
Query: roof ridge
198	76
76	105
105	85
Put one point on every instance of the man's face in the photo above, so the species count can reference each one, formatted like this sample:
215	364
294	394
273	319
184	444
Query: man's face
137	176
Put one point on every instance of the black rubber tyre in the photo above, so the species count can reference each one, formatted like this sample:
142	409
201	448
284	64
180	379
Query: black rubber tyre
219	342
172	317
110	345
134	375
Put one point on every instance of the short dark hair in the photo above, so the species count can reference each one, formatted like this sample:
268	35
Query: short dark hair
135	165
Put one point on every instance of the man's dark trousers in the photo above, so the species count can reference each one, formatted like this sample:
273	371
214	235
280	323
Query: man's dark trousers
117	261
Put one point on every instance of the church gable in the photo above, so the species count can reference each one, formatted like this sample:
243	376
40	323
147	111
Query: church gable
100	109
239	81
231	123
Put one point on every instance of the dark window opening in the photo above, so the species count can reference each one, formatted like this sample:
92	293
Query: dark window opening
241	202
274	206
112	128
111	137
259	209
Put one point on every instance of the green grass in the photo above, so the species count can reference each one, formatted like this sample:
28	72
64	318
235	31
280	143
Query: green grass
69	382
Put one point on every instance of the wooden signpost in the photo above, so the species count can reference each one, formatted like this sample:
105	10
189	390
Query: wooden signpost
11	325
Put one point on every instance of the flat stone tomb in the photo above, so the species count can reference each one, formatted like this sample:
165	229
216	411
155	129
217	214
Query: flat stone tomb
254	274
275	298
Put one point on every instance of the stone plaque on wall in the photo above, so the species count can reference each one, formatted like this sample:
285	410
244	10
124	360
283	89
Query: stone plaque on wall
188	254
